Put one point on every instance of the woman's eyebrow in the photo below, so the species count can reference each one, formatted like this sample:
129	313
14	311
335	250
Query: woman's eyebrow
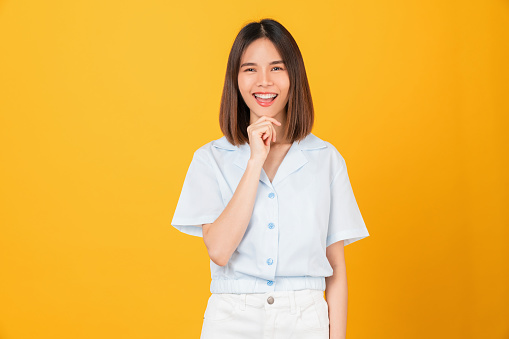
254	64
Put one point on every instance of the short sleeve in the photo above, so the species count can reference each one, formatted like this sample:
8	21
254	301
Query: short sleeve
200	200
345	219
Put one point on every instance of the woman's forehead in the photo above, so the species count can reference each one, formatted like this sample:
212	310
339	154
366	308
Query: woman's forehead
261	51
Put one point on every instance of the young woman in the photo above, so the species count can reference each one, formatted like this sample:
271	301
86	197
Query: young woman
272	201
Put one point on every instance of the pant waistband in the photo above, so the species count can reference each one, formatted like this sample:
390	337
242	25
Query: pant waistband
275	299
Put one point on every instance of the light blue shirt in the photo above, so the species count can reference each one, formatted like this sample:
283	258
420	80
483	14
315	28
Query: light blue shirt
308	206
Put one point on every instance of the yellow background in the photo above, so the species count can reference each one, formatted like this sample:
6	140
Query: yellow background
103	103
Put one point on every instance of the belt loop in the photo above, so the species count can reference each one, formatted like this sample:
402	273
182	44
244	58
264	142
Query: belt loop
291	295
317	296
243	301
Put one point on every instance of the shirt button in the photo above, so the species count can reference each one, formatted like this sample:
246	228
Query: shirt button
270	261
271	195
271	225
270	282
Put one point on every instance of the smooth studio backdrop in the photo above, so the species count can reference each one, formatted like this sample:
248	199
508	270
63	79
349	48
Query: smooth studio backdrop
102	104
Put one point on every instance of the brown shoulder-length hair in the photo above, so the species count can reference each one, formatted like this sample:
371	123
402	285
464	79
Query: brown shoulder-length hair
234	115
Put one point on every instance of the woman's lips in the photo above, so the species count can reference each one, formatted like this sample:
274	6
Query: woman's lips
265	102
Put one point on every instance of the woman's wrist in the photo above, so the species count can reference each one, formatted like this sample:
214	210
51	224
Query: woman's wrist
256	162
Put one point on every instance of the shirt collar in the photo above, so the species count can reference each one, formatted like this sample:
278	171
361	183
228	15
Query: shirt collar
294	159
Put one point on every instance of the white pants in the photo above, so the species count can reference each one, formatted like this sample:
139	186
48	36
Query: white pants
271	315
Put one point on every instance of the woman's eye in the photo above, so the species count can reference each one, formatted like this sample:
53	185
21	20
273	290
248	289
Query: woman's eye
249	69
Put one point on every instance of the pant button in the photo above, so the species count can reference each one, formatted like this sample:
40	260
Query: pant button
270	300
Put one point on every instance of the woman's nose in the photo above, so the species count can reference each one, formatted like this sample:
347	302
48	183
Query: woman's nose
264	78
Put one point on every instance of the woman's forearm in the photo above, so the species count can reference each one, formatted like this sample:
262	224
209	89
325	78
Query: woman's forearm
336	293
223	236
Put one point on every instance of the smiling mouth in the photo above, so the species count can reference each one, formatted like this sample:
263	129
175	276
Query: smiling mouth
265	98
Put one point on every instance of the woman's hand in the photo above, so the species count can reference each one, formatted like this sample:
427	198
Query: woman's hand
261	133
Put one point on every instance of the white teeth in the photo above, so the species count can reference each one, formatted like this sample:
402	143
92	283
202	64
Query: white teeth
265	96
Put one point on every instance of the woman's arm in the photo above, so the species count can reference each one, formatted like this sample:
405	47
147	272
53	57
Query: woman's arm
223	236
336	291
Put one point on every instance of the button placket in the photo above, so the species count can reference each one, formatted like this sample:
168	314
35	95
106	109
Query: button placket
272	237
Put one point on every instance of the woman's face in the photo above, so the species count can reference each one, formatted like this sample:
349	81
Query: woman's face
262	71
